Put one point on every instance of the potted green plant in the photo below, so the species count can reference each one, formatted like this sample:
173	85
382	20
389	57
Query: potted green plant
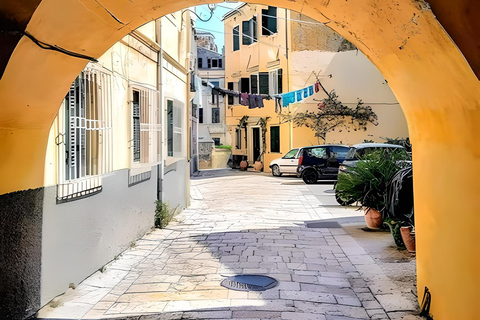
400	208
367	182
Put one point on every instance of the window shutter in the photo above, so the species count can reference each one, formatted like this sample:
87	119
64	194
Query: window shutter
236	38
269	21
279	81
230	87
136	126
275	139
170	128
263	83
246	39
272	20
254	84
254	28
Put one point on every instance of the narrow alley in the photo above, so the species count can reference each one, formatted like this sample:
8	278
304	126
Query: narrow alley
251	223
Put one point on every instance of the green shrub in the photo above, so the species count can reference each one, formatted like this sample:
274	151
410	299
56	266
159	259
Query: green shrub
368	181
227	147
163	214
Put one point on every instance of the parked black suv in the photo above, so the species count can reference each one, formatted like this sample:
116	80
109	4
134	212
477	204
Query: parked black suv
320	162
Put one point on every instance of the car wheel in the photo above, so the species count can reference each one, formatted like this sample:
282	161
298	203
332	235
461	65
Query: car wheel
276	171
310	176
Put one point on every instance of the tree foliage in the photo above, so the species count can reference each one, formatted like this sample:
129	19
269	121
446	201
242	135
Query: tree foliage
331	114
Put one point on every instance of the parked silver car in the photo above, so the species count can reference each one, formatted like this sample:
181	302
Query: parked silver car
286	164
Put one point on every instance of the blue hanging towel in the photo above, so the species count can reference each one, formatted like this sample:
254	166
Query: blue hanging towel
310	90
288	98
305	93
299	95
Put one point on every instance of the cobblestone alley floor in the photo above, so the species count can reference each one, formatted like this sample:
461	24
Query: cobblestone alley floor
243	223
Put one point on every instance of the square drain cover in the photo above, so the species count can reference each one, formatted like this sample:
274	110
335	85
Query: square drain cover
324	224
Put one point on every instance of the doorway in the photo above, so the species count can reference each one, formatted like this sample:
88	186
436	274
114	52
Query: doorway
256	144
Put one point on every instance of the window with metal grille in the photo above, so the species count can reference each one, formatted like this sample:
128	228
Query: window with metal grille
275	139
269	21
136	125
145	125
85	137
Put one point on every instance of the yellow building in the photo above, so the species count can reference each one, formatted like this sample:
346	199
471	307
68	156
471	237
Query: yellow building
270	51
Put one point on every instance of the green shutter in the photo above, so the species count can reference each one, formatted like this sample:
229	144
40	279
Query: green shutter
263	83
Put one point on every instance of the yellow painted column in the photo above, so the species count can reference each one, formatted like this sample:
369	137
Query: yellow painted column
438	92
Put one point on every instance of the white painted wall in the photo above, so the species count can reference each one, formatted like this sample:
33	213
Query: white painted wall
353	76
81	236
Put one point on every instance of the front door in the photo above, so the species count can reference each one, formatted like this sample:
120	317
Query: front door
256	144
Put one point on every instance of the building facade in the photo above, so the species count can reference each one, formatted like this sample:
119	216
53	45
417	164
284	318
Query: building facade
119	143
213	130
272	51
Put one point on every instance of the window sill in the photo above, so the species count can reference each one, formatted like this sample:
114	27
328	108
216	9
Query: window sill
79	189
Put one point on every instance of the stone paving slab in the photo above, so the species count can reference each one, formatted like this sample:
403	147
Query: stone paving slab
240	224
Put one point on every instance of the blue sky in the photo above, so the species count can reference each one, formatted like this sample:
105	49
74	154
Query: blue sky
215	24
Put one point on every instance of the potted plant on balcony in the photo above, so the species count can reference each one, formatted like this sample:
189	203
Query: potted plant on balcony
367	182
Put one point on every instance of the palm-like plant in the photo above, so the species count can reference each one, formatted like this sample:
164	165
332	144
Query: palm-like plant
368	181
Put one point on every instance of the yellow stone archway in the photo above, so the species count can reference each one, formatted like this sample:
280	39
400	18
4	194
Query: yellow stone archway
436	86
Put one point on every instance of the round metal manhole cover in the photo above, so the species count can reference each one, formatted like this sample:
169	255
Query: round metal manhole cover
249	282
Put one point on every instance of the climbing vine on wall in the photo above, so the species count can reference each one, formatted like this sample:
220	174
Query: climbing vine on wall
263	125
331	114
242	123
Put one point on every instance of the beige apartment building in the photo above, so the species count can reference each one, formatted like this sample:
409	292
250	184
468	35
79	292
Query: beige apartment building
118	144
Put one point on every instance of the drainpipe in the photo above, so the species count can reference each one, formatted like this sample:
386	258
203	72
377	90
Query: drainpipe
290	124
161	144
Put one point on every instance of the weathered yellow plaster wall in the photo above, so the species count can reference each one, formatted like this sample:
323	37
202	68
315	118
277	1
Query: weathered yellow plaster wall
438	91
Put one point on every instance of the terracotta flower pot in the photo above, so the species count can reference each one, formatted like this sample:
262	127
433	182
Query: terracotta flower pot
258	165
408	239
243	165
373	218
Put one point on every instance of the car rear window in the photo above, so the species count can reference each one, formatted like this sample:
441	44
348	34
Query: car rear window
341	152
357	154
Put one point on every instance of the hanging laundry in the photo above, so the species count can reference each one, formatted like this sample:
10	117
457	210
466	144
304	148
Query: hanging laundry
244	99
310	90
278	103
259	101
288	98
305	93
317	87
252	101
299	94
